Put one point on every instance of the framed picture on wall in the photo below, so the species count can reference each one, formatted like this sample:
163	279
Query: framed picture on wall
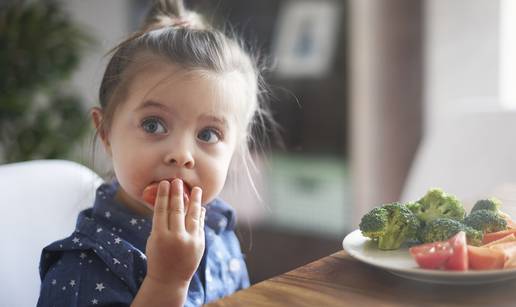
306	37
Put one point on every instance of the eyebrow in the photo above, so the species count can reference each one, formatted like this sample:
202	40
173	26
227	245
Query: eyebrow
213	118
152	104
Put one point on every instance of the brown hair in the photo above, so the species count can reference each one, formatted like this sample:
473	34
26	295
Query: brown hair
182	37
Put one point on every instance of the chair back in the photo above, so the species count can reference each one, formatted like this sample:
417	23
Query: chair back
39	204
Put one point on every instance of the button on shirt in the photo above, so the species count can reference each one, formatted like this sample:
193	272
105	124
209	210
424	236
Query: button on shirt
103	262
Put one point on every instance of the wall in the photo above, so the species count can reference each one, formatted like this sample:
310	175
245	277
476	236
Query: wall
462	51
108	22
386	39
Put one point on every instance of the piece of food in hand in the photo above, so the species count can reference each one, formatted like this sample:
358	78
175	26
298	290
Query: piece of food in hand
390	225
451	254
151	191
438	204
486	221
442	229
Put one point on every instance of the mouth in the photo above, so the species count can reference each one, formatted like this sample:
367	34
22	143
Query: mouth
151	191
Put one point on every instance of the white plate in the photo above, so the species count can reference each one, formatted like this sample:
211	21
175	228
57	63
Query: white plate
400	262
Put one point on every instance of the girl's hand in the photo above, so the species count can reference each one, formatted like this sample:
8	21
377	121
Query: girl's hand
176	243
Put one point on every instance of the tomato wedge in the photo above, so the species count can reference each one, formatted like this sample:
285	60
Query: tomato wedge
432	255
449	255
150	192
483	258
458	261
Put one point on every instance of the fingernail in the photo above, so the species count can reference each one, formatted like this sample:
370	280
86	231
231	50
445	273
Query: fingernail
178	182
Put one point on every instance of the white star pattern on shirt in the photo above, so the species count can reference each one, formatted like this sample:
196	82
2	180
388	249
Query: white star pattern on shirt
54	281
223	223
209	278
99	229
133	221
234	265
72	282
94	301
100	287
117	240
108	214
75	240
115	261
83	255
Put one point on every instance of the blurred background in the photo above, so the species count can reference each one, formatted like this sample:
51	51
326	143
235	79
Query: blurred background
378	101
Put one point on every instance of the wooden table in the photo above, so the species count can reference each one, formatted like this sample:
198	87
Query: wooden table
340	280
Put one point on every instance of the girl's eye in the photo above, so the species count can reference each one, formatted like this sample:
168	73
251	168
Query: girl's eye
209	135
153	126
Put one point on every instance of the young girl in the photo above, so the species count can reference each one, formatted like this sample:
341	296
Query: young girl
177	105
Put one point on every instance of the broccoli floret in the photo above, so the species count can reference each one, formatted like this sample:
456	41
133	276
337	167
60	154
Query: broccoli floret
413	206
486	221
491	204
442	229
390	225
473	236
438	204
373	223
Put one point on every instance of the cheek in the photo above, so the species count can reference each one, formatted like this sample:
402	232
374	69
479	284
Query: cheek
214	178
131	170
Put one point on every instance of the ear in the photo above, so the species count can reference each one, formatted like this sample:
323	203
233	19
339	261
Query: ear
97	118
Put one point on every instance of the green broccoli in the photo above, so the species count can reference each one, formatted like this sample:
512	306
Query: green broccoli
390	225
473	236
438	204
413	206
442	229
491	204
486	221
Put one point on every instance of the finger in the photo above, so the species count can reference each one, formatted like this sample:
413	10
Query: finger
203	216
193	217
160	216
176	217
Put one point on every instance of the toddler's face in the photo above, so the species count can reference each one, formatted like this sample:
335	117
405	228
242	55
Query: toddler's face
173	124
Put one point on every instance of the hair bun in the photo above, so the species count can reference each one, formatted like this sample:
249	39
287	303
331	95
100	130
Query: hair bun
171	13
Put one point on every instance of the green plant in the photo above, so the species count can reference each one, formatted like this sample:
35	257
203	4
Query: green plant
39	49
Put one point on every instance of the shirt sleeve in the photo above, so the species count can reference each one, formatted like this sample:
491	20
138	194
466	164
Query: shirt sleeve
81	278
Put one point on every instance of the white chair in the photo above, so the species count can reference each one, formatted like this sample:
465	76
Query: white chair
39	203
471	155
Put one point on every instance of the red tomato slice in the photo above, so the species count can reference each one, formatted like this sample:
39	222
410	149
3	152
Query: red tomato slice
458	261
432	255
483	258
449	255
150	192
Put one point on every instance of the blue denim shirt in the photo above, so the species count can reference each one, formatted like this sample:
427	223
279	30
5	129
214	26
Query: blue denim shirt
103	262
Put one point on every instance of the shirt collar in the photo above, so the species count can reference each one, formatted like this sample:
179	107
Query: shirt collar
220	216
127	224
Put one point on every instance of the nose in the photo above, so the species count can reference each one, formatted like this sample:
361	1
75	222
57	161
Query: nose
180	155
